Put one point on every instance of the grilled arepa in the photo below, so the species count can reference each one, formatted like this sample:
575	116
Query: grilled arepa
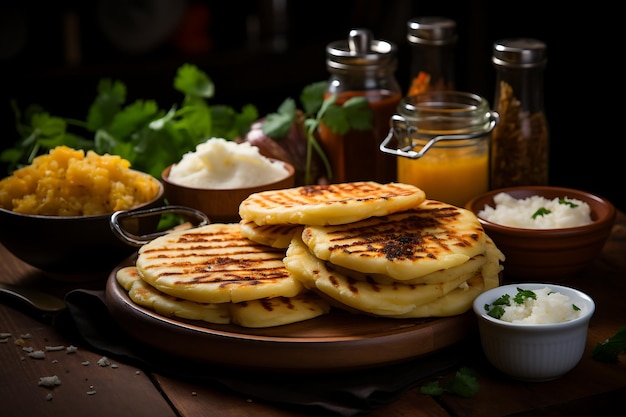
329	204
268	312
396	299
404	246
274	235
215	264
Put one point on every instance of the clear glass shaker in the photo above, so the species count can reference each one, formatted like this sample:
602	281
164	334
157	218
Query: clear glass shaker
432	40
520	141
362	66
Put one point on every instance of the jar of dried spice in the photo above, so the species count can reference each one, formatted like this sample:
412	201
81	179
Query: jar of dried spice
520	141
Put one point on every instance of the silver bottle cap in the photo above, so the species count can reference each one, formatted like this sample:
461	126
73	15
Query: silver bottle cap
432	30
519	53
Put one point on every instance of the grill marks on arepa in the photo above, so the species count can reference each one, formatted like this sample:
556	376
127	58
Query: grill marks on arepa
400	240
329	204
215	264
404	245
268	312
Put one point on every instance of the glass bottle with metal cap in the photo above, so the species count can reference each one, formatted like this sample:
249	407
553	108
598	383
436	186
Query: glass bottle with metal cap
520	141
432	40
362	66
442	141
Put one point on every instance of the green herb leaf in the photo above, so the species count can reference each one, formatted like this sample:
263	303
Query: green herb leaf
609	350
464	384
149	137
277	125
522	295
567	203
193	82
540	212
312	97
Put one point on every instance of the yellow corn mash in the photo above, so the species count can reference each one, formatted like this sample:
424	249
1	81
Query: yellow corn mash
68	182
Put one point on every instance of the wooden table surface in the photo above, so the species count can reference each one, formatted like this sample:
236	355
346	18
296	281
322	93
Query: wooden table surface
120	389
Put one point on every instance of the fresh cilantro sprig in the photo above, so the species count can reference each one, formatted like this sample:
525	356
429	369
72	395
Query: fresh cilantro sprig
151	138
355	113
609	350
464	384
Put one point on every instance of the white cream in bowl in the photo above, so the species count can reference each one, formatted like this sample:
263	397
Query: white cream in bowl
222	164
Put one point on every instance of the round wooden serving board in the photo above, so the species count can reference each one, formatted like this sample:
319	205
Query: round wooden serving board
337	341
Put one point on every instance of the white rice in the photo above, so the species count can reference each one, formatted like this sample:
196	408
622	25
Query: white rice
557	213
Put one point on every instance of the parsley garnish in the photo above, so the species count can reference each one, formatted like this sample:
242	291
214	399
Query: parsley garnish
540	212
609	350
496	309
464	384
567	203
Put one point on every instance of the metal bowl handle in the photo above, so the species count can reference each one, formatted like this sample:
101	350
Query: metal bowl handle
195	218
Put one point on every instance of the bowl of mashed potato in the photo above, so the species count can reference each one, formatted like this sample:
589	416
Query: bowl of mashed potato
533	331
55	213
219	174
545	232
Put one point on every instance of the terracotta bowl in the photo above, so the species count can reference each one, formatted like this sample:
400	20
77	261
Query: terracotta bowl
72	248
548	254
220	205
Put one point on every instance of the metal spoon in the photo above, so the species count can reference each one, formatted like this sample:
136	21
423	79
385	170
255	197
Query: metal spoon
35	298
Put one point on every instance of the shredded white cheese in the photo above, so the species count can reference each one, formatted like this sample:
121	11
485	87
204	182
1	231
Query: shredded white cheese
537	212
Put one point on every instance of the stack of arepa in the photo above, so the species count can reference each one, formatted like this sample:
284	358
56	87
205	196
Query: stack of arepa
369	248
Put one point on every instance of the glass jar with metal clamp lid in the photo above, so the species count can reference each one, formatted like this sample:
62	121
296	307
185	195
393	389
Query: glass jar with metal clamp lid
442	141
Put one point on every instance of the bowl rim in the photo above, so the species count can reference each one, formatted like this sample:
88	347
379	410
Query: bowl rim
494	293
160	193
598	223
291	171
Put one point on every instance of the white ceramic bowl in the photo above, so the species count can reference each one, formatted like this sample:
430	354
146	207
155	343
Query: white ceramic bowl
533	352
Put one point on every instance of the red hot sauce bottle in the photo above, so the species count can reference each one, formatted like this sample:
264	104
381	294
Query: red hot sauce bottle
362	66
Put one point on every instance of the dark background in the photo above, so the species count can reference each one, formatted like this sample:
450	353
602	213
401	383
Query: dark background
262	51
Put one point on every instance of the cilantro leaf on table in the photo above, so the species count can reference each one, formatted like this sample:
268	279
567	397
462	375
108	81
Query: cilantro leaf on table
609	350
464	384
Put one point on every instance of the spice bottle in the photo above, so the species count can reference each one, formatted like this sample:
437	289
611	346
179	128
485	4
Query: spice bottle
432	40
442	141
520	142
365	67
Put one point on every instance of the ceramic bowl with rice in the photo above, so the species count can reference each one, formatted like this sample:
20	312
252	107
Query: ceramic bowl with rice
546	233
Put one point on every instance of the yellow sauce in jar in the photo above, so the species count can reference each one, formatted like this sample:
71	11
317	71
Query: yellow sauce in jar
453	176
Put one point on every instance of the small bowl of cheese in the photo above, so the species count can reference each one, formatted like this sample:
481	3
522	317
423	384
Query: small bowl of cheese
546	233
533	331
219	174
